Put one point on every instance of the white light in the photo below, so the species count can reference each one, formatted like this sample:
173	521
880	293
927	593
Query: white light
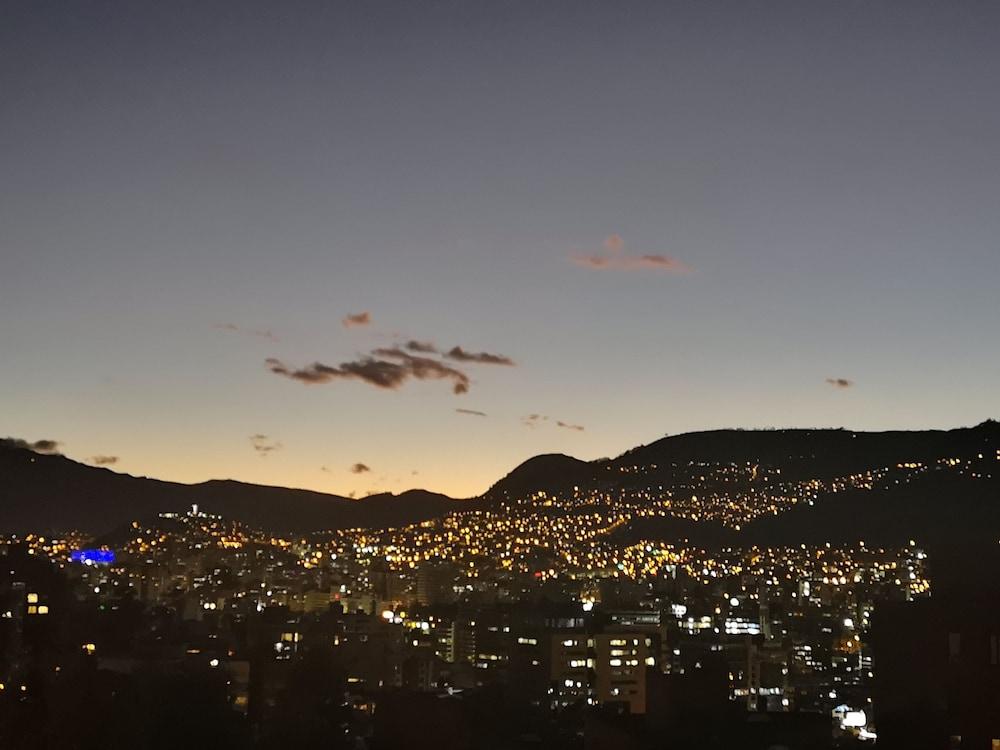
855	719
213	663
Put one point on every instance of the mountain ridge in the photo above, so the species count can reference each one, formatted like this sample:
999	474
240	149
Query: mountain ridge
51	491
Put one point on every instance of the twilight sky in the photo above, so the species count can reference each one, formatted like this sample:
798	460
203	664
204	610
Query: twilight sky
669	215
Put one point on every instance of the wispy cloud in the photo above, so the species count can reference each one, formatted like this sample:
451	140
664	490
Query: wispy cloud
840	382
356	319
425	368
104	460
471	412
264	445
261	333
388	368
459	354
615	259
421	347
533	420
38	446
360	468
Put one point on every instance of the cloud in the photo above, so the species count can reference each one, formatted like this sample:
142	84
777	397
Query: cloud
264	445
533	420
38	446
422	347
356	319
262	333
633	263
617	260
104	460
471	412
360	468
377	370
459	354
840	382
392	366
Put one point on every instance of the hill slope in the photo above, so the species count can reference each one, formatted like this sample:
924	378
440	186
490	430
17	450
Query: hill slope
41	492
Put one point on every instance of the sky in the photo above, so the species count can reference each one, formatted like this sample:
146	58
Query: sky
223	224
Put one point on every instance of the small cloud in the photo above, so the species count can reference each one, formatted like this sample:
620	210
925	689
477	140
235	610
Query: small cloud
421	347
617	260
262	333
264	445
459	354
325	469
356	319
533	420
471	412
38	446
104	460
360	468
840	382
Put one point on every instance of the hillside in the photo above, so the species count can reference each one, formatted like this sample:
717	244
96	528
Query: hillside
42	492
814	453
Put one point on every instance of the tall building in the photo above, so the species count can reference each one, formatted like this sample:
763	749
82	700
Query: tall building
600	669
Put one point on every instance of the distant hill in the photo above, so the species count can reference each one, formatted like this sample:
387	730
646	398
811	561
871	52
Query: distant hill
551	472
800	453
817	452
44	492
41	492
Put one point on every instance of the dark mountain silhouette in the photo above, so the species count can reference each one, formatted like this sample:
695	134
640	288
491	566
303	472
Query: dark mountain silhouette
817	452
799	453
551	472
44	492
40	492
